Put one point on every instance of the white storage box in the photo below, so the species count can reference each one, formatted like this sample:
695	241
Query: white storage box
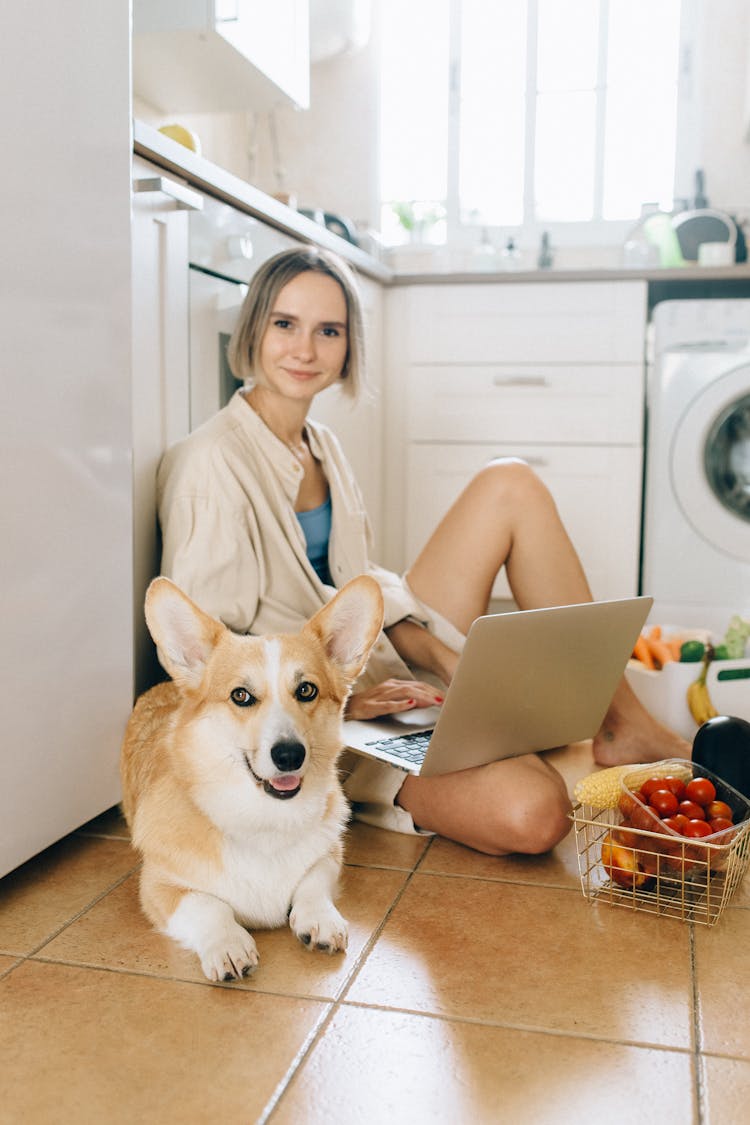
664	692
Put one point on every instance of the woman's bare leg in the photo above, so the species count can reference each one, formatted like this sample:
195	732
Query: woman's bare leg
517	805
506	516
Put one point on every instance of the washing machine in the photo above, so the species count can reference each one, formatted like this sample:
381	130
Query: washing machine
696	534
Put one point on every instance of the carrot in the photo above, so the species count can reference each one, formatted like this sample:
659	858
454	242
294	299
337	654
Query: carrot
675	647
642	652
660	651
654	633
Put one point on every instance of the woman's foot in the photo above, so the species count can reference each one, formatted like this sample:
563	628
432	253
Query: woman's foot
630	734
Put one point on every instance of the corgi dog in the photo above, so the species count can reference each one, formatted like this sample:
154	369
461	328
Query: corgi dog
230	785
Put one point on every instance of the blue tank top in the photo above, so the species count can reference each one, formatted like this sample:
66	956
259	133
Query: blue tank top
316	525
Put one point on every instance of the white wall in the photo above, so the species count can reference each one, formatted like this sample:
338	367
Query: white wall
723	151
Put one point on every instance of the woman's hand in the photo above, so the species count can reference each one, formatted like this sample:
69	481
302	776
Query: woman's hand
391	697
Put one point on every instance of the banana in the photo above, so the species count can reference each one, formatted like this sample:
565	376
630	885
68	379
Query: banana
698	698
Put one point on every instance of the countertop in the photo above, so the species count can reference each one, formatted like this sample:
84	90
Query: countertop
217	182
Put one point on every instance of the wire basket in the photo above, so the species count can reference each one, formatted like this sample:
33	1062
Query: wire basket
679	877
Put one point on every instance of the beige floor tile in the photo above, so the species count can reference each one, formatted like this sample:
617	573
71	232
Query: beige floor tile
723	977
7	963
85	1046
726	1091
741	895
371	1067
375	847
538	958
558	868
41	896
115	934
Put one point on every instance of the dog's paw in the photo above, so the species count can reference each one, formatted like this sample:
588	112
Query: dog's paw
231	956
322	929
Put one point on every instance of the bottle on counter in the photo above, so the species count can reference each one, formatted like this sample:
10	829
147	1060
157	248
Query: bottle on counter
510	259
545	259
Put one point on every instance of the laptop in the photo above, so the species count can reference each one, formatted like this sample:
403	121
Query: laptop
525	681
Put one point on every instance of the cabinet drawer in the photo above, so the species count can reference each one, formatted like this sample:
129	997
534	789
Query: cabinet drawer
600	403
597	491
540	322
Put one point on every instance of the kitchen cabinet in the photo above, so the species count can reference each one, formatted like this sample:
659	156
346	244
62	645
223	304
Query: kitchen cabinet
65	425
161	384
203	56
549	372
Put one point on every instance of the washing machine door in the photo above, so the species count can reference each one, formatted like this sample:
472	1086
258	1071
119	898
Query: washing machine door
710	463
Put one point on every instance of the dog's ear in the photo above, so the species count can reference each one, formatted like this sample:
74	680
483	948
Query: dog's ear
184	635
350	624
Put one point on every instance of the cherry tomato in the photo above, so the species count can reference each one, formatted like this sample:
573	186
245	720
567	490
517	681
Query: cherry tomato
651	786
676	823
720	824
718	809
700	790
695	828
675	785
691	810
664	802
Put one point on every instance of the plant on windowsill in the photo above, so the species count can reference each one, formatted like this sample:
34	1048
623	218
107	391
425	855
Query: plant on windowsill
418	217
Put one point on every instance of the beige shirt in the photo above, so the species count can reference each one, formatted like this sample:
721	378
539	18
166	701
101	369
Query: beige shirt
233	543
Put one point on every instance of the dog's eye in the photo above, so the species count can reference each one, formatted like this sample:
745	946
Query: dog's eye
242	697
305	691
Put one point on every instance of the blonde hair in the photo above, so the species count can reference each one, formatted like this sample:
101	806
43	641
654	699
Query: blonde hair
265	286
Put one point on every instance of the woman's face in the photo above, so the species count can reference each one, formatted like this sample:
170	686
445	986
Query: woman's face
305	343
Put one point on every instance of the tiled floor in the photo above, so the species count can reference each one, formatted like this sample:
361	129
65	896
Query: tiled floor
474	990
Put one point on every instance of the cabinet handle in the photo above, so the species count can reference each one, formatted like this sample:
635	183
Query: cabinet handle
519	381
185	199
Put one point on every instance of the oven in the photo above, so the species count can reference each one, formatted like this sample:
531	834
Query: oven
226	247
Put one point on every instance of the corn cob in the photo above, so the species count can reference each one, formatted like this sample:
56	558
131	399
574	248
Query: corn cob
602	789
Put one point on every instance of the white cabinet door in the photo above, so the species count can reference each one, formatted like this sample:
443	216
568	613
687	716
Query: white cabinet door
597	491
161	374
65	426
591	404
538	322
204	56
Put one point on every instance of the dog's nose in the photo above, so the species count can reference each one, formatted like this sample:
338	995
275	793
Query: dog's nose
288	756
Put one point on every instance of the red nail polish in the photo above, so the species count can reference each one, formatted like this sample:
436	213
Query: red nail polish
438	699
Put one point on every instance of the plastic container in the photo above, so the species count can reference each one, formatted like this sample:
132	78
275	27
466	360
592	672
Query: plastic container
688	879
664	692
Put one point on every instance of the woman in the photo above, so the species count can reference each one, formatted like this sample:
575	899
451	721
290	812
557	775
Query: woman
261	516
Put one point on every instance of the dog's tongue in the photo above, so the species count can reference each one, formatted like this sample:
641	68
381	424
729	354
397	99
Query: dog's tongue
285	782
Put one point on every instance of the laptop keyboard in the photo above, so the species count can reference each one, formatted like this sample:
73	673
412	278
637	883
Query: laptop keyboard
410	748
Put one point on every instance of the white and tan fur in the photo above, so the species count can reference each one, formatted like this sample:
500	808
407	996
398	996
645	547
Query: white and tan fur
229	775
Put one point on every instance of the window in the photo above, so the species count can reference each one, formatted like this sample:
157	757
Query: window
527	115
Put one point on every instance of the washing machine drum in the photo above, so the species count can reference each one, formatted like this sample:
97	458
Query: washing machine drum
710	464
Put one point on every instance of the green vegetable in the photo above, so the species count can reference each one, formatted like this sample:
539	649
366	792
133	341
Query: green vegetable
736	637
721	652
691	652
